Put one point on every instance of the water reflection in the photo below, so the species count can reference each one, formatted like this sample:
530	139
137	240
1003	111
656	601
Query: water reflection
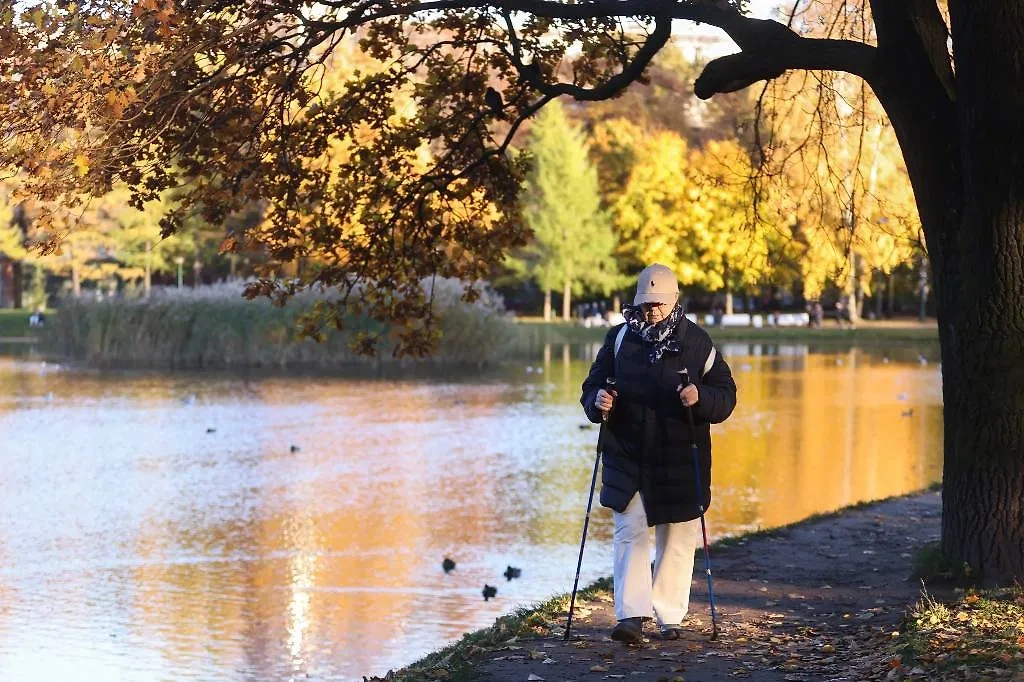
163	527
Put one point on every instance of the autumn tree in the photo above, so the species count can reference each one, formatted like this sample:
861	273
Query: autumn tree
839	183
693	210
572	243
221	93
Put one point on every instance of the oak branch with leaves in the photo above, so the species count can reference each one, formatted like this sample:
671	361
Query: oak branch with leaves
224	98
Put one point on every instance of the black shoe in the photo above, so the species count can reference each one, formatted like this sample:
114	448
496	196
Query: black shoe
629	630
669	632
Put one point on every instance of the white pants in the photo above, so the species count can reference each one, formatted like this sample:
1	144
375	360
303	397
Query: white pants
668	592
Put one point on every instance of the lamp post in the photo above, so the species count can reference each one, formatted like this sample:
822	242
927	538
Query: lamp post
179	260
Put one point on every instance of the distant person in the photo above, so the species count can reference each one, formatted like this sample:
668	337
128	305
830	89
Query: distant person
648	477
841	314
717	314
817	314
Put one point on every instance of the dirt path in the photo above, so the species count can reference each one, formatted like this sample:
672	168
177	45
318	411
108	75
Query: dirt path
818	601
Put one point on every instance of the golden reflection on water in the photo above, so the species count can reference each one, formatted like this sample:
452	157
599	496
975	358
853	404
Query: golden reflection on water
162	527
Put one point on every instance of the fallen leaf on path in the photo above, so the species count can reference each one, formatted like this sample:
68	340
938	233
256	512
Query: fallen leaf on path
598	669
534	678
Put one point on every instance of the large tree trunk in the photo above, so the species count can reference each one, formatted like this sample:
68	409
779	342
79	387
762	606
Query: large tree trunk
981	300
547	305
983	464
965	157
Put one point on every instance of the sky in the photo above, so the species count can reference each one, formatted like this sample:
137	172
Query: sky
712	42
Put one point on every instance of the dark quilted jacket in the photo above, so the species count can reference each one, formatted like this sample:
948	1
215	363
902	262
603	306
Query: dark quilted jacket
647	447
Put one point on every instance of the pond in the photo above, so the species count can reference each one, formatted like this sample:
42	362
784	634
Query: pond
201	527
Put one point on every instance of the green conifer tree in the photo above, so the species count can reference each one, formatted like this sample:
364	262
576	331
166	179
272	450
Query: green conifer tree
573	242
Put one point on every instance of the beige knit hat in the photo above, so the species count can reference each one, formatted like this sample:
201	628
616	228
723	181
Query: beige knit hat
656	284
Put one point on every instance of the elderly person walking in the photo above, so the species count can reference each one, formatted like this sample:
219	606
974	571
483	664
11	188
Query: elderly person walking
648	478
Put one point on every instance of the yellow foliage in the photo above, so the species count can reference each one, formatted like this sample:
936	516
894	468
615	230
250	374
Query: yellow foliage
693	211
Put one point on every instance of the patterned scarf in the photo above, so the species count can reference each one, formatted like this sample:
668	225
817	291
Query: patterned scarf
661	335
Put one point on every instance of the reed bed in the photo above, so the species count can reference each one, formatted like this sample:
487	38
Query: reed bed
213	327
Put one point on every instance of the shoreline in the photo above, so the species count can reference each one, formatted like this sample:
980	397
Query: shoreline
816	599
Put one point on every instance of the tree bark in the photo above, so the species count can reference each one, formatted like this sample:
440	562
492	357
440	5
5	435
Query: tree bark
547	305
891	294
76	283
18	276
148	282
567	300
981	300
880	281
965	157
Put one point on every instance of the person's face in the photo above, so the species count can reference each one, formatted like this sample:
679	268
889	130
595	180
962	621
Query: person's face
655	312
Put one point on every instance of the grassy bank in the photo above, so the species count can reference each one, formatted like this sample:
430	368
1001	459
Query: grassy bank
975	634
215	328
534	332
455	662
14	323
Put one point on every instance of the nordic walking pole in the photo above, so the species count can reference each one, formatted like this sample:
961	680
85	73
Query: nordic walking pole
610	382
700	508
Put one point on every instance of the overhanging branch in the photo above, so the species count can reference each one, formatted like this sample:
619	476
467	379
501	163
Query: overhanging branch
631	71
768	49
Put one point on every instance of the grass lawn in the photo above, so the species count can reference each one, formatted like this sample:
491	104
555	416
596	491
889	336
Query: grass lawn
14	323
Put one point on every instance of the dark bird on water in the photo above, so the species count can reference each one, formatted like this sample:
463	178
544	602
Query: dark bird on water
493	100
908	413
447	565
489	591
294	448
512	572
211	430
